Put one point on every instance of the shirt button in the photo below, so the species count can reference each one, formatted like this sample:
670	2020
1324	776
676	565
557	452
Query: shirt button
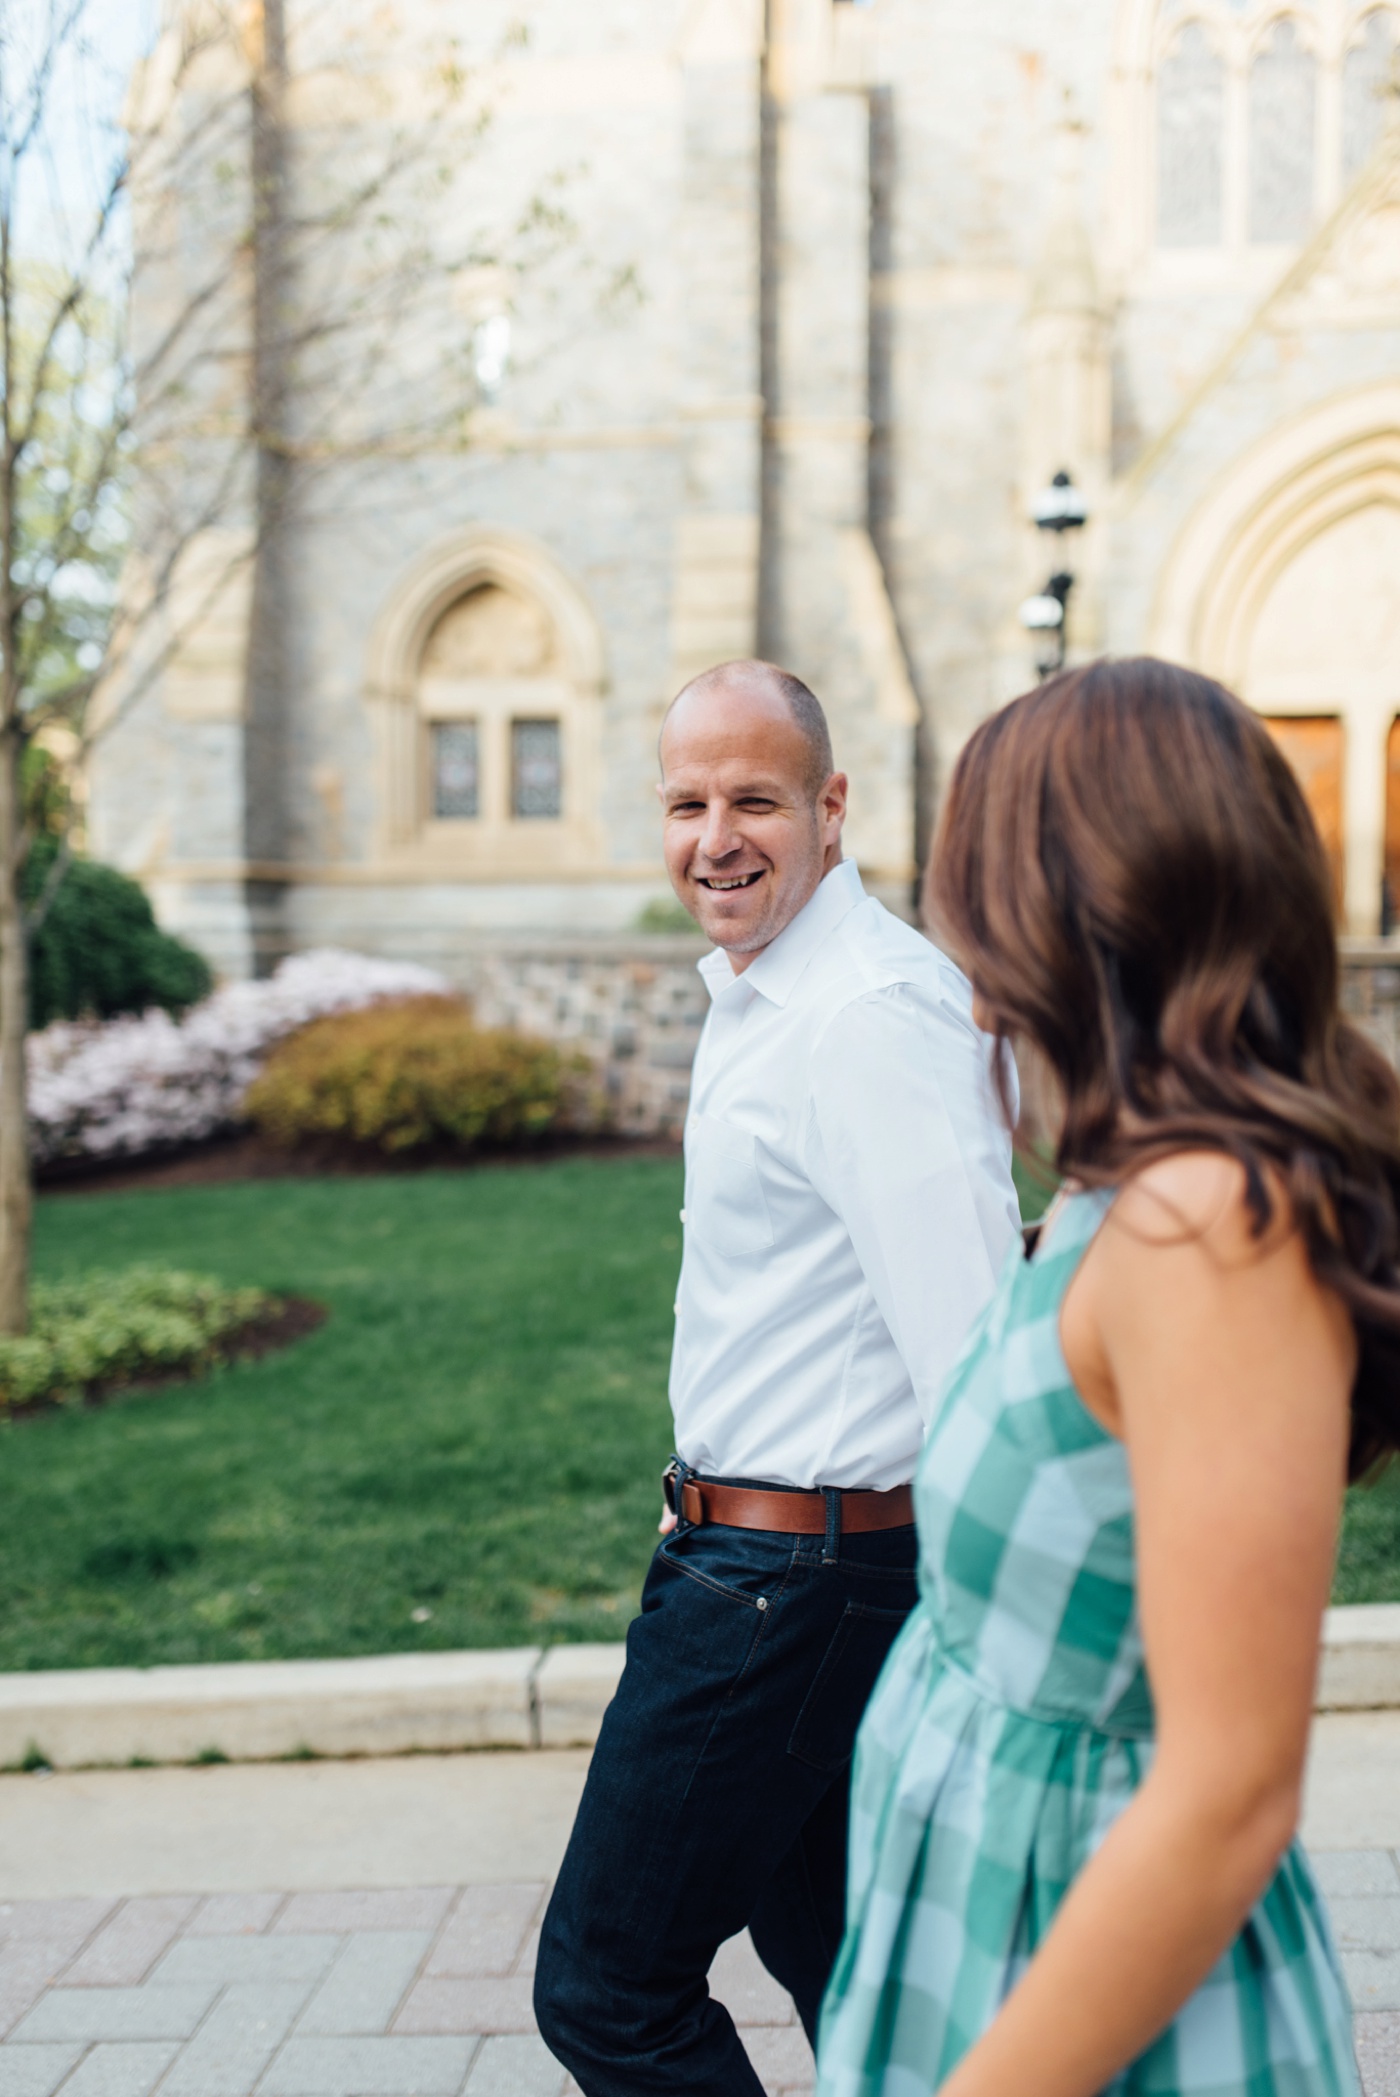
763	1601
682	1215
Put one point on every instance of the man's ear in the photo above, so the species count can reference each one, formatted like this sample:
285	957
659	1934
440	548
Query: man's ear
661	791
833	798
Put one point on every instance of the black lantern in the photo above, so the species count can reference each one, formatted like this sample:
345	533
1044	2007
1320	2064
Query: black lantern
1058	508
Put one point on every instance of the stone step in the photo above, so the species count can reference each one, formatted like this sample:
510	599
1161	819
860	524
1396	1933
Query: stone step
392	1704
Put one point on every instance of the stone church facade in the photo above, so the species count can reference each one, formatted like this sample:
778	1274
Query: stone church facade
845	286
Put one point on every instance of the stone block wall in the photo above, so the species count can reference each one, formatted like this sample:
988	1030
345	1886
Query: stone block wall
1371	991
634	1007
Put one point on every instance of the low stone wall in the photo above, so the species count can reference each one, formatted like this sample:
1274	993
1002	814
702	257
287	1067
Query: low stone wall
1371	989
634	1006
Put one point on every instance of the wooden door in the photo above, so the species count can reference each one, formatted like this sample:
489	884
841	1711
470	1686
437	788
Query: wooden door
1391	912
1312	743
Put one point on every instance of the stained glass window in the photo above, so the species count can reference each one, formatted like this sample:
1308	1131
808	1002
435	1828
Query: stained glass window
1282	114
537	783
1190	143
456	771
1365	74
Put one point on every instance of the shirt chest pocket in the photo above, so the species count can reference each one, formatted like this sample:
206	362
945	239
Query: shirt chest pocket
725	1205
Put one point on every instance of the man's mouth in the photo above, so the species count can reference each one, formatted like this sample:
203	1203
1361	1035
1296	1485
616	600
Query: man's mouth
721	885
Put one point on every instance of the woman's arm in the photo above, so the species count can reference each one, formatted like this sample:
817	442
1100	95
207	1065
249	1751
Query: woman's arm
1226	1370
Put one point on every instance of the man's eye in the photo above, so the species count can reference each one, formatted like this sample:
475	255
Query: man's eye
754	802
686	808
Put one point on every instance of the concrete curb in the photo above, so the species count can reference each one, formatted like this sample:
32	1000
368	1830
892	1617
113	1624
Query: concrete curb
523	1697
1360	1668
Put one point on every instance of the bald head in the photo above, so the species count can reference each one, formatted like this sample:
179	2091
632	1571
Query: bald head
764	688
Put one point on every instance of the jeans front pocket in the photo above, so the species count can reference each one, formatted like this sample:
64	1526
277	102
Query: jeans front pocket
825	1732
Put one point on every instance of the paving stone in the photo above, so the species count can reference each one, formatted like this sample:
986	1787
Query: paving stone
741	1981
1373	1979
781	2057
125	1948
234	1914
117	2013
486	1932
367	1982
236	2040
369	2068
1366	1925
515	2067
68	1921
415	1908
26	1969
34	2071
529	1954
214	1960
1377	2054
468	2006
1353	1873
131	2070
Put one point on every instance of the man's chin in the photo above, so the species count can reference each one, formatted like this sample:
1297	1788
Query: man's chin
735	935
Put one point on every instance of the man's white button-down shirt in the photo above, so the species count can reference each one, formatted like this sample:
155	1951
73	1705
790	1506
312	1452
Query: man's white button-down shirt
848	1200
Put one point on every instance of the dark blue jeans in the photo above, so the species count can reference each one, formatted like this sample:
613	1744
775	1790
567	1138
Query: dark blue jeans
716	1799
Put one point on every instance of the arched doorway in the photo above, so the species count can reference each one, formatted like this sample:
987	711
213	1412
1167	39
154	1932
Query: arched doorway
1285	584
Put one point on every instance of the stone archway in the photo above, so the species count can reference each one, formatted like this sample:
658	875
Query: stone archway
1285	584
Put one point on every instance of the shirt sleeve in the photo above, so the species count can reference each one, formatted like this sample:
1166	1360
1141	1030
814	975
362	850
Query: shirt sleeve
906	1144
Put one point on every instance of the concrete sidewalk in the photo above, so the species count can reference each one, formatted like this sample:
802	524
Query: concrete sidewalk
366	1929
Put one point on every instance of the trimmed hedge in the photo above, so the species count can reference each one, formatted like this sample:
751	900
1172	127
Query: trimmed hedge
115	1327
100	951
404	1075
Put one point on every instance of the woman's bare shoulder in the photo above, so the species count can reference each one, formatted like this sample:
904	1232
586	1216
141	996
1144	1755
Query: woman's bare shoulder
1200	1198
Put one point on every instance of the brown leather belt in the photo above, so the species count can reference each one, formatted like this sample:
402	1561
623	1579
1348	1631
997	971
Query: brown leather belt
796	1513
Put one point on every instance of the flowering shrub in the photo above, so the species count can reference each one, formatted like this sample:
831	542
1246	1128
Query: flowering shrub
402	1075
110	1328
124	1086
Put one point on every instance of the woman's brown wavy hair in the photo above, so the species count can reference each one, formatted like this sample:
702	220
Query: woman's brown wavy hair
1129	873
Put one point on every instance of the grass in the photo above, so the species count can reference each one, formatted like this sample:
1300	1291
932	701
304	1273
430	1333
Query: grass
466	1454
477	1431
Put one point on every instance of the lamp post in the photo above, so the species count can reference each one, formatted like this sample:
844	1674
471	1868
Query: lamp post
1059	508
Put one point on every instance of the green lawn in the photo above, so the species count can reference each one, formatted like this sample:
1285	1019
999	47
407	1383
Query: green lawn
477	1431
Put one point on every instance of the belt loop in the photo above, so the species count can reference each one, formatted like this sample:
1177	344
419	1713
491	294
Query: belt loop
674	1480
831	1548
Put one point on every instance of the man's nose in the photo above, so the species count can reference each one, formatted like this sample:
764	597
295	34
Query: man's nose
717	834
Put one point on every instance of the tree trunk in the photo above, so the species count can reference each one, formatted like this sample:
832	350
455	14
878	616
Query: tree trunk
265	736
16	1193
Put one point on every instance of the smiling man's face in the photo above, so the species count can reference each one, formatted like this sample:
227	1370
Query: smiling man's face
749	833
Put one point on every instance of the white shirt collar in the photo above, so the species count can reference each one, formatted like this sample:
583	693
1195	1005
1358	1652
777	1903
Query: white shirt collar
775	971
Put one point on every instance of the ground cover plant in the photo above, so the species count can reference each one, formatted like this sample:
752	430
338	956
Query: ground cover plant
467	1452
114	1327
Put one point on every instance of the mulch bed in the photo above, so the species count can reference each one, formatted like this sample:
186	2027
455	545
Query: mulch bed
290	1318
249	1156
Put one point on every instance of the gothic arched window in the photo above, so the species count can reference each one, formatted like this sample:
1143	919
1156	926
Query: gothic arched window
1190	142
495	702
1282	134
1366	72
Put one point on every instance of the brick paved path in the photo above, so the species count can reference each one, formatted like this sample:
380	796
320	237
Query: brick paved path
373	1994
426	1991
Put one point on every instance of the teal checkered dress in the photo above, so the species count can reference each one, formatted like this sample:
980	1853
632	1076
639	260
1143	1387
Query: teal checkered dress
1011	1725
